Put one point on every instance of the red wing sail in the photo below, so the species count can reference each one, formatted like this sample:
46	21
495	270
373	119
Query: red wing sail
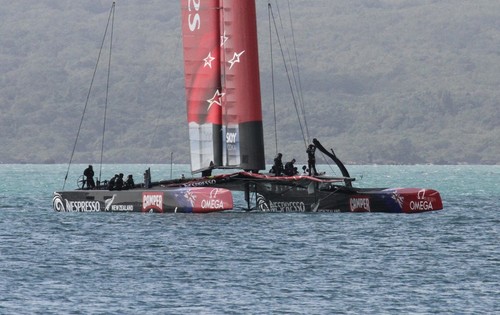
200	27
222	84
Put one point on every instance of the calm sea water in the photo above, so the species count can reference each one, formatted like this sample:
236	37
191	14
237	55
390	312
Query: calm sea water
445	262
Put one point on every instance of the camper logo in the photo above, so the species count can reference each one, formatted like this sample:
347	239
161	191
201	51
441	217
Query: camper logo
359	204
152	201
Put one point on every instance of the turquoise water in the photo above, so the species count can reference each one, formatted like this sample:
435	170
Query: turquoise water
445	262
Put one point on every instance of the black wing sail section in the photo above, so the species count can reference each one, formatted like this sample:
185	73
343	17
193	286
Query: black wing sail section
332	155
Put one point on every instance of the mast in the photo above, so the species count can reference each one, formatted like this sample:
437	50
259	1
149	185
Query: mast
242	83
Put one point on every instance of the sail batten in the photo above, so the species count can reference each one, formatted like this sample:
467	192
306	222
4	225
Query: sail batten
222	84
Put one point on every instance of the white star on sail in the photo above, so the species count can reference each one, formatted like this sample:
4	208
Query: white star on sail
223	39
236	58
208	60
216	99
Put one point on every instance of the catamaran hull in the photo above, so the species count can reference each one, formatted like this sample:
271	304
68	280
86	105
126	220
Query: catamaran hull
320	194
343	199
187	200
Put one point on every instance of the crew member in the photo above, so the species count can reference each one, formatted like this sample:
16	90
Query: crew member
119	182
277	168
89	178
311	159
112	181
130	182
147	178
208	172
290	169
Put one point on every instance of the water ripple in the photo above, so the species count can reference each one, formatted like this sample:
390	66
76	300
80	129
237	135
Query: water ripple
259	263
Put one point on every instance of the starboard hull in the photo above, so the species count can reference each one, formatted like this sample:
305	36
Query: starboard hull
342	199
316	194
159	199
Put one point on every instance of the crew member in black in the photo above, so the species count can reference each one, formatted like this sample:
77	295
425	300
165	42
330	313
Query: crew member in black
130	182
311	159
119	182
112	182
208	172
147	178
290	169
277	168
89	178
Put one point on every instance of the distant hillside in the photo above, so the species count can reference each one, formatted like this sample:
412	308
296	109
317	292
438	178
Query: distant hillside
383	81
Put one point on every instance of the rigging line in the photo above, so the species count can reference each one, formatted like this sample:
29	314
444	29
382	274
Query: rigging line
272	77
167	85
299	81
299	89
223	81
301	118
296	74
289	80
107	91
88	96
